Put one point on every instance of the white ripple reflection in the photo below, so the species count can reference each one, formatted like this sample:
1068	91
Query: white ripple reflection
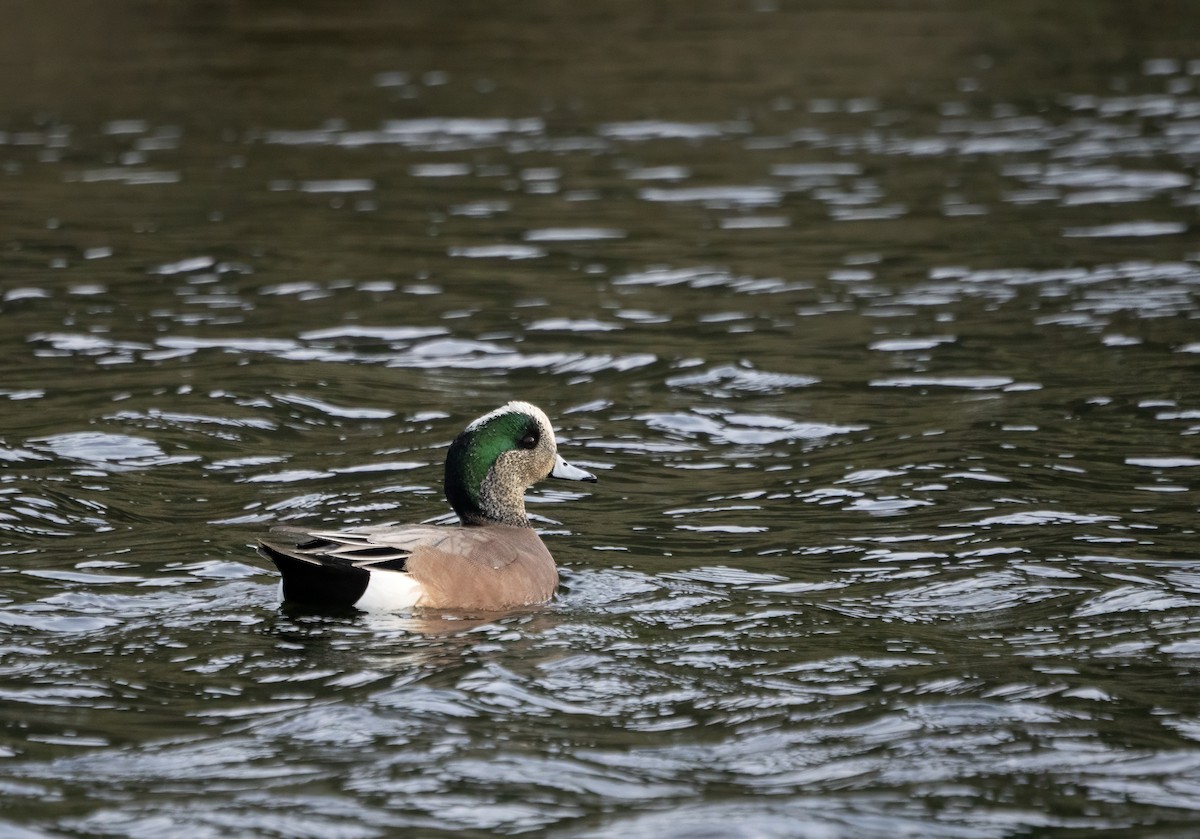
963	382
497	252
729	427
1128	229
715	196
659	130
573	234
112	452
706	277
728	380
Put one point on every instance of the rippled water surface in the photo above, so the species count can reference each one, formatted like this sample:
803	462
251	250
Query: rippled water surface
880	325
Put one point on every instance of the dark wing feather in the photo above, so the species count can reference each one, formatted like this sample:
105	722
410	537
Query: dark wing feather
382	547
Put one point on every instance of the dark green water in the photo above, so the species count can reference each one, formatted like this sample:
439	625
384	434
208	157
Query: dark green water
879	322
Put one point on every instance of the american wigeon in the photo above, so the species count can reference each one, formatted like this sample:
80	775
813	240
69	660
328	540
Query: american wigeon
494	561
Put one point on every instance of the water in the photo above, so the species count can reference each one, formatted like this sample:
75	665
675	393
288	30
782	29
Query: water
880	327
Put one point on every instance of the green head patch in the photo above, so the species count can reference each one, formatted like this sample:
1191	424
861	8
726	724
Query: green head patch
475	451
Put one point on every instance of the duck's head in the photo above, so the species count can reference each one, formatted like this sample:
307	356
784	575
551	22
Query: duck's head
496	458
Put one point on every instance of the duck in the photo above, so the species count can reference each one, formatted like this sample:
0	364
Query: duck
493	560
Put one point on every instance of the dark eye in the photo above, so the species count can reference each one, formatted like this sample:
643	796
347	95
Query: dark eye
529	441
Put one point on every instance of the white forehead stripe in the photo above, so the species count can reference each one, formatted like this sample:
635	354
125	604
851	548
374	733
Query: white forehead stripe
510	408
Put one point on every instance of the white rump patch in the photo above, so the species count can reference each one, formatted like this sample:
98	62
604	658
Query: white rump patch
389	591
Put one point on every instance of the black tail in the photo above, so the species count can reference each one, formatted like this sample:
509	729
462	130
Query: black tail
313	583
